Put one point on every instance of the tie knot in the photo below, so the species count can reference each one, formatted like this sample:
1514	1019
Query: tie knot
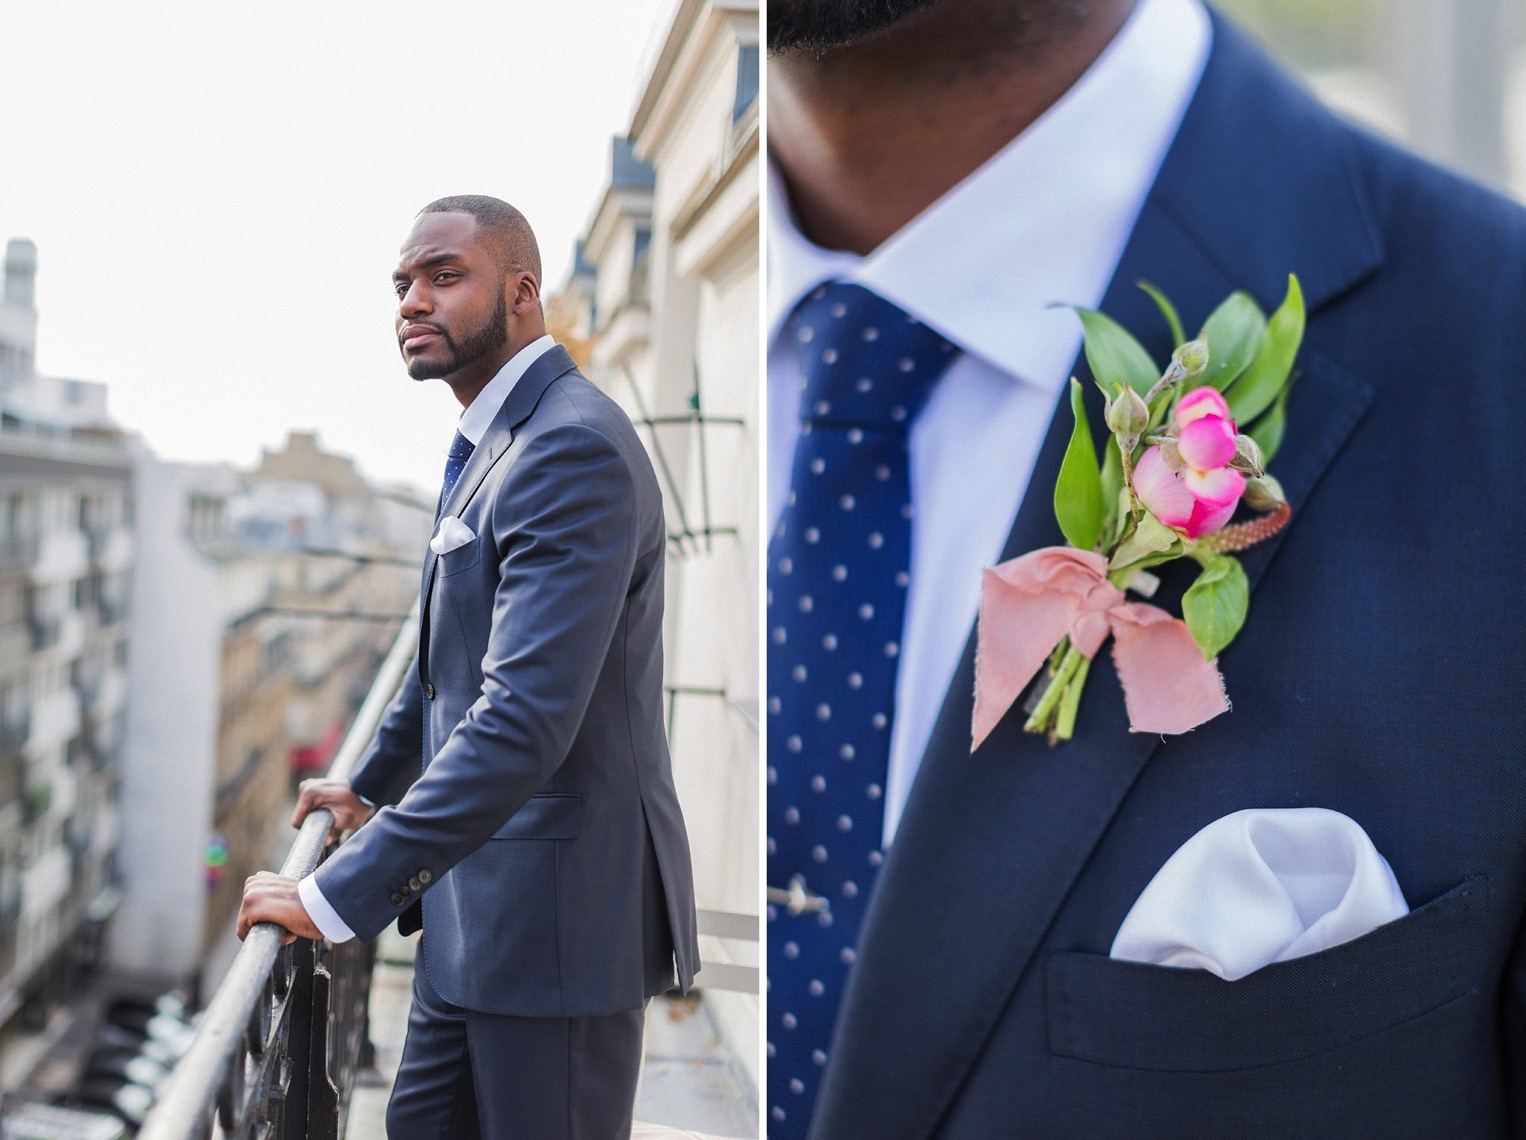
461	448
864	361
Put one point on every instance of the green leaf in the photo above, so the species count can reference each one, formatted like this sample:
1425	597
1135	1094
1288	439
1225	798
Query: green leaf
1267	431
1233	331
1114	355
1151	537
1268	373
1113	491
1214	606
1168	310
1125	516
1078	490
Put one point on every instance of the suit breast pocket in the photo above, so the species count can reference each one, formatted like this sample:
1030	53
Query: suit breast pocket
453	562
1133	1015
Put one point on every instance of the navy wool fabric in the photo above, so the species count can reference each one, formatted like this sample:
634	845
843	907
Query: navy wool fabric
1379	674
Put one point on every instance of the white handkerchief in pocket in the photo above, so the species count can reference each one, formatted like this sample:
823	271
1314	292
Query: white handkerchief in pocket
1261	886
450	535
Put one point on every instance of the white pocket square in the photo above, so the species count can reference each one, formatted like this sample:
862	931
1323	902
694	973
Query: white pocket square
1261	886
450	535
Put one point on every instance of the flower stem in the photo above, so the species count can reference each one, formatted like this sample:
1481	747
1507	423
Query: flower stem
1043	712
1128	481
1065	717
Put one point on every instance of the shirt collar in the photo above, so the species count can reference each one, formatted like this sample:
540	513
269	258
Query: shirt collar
477	417
1042	223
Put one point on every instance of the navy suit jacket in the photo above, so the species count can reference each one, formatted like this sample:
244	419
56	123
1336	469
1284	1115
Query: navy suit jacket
1379	674
544	836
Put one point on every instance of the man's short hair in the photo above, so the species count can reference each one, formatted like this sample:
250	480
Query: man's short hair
502	228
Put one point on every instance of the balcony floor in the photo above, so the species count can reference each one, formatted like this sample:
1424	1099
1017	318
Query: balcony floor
689	1084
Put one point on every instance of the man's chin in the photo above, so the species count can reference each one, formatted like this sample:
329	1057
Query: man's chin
422	368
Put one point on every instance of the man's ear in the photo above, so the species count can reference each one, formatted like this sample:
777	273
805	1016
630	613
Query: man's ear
525	293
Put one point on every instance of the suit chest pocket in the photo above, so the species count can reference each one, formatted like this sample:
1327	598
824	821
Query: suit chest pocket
1138	1016
462	558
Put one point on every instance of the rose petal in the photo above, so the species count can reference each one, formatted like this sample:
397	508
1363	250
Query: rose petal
1206	519
1206	442
1215	488
1216	494
1204	401
1162	490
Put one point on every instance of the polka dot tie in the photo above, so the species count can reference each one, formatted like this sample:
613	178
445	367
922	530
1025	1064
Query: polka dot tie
461	450
837	576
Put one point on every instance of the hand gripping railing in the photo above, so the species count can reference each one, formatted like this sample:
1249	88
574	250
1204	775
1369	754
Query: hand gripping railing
278	1046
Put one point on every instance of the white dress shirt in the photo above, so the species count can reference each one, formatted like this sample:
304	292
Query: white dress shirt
1043	222
475	420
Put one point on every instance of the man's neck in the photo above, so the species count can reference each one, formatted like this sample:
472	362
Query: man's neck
868	136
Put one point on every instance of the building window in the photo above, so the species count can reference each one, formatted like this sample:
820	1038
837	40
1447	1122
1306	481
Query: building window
747	81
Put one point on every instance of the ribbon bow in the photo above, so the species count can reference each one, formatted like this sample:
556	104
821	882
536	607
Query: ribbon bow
1029	603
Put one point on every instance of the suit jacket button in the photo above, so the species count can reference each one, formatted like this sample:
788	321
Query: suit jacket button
425	877
397	899
429	691
414	884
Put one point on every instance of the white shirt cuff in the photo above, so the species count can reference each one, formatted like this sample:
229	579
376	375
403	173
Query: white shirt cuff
324	917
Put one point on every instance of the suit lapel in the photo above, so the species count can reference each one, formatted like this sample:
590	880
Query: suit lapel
522	399
554	363
991	843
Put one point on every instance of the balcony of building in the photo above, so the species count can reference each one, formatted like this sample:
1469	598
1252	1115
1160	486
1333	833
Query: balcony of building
304	1040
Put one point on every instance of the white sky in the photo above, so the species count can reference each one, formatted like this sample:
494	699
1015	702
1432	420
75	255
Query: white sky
218	192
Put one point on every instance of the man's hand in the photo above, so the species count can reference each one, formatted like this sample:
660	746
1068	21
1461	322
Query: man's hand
349	810
269	897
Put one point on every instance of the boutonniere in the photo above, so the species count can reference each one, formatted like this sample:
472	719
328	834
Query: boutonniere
1186	448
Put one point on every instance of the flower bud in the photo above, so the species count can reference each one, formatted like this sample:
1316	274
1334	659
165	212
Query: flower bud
1248	456
1193	357
1263	493
1127	416
1187	362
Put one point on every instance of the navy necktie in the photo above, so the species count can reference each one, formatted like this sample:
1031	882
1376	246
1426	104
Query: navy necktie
838	567
461	450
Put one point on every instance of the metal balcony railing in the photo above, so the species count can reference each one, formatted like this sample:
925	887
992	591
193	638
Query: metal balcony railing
280	1042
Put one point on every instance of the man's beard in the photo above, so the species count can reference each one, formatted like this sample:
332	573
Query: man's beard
817	25
481	341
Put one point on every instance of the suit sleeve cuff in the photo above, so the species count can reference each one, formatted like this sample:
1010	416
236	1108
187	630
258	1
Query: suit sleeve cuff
324	917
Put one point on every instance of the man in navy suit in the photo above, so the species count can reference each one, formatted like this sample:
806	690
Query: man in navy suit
544	838
971	162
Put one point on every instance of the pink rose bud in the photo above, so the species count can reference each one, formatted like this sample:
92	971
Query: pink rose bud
1192	502
1193	489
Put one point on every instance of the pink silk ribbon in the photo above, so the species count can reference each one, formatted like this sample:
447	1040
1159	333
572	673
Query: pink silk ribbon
1029	603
